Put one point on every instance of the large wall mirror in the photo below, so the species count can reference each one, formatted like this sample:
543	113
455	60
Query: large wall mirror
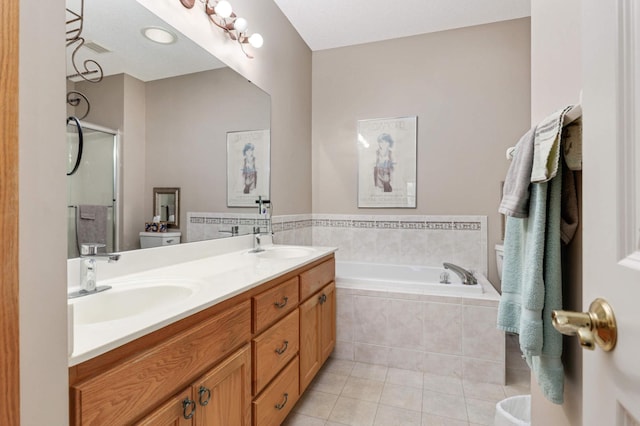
172	106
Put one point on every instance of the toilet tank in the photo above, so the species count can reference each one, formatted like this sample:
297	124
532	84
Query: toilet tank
159	239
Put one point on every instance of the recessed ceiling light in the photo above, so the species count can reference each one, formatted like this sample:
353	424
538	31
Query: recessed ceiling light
159	35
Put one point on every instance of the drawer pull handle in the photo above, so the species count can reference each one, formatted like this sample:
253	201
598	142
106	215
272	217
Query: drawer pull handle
281	350
282	304
186	403
322	299
281	406
201	392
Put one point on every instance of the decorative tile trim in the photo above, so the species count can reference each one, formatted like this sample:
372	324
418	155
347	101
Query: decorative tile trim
288	223
411	224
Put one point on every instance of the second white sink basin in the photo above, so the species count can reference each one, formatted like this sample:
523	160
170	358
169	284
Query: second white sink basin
285	252
130	300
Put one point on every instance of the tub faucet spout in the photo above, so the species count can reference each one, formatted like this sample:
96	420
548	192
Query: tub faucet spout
466	276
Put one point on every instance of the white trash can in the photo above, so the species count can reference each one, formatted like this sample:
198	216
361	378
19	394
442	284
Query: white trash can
514	411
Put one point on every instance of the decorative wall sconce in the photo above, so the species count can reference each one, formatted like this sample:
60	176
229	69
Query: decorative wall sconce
221	14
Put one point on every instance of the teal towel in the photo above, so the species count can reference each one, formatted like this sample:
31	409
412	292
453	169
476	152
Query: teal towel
532	285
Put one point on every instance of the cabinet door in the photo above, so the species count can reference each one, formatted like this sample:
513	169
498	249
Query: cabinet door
327	321
310	355
223	395
177	411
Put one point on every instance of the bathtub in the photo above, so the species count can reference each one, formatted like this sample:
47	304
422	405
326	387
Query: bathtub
401	316
404	279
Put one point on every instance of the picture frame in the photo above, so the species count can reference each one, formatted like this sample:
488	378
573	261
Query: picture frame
387	162
248	167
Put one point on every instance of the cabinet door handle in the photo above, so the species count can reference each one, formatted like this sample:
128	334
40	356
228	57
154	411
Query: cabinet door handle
281	406
201	392
281	350
320	299
186	404
282	304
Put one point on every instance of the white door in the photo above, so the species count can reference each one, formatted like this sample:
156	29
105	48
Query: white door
611	202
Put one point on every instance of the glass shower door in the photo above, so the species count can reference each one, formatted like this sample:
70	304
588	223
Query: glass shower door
92	187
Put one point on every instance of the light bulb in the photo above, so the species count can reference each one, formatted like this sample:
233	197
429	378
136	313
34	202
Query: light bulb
223	9
256	40
240	25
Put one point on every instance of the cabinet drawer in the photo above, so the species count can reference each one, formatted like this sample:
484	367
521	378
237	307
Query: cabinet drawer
122	394
316	278
273	304
273	349
277	400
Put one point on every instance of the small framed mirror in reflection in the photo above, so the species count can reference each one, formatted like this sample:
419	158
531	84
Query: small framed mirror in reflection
166	204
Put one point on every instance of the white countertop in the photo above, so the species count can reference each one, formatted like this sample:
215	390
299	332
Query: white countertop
210	280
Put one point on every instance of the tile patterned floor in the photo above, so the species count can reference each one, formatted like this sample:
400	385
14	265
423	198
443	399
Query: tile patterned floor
352	393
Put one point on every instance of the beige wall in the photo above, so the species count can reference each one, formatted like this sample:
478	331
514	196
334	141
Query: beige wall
470	90
556	81
42	221
187	121
556	73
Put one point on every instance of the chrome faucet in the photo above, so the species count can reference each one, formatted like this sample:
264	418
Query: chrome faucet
466	276
257	240
89	269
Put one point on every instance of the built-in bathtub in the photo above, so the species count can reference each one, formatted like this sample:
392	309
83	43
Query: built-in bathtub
402	316
412	279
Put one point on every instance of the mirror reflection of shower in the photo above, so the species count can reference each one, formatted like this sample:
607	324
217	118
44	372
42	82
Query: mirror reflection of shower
92	207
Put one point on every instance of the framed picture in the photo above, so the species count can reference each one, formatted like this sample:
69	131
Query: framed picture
248	172
387	162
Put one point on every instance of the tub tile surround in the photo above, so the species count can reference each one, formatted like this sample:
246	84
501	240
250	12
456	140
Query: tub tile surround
449	336
398	239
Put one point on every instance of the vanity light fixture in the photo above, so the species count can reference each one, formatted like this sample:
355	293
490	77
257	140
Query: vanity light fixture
221	14
159	35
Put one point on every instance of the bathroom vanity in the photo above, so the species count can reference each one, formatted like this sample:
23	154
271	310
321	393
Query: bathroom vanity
244	359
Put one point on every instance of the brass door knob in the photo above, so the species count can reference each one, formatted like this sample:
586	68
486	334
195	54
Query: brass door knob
597	326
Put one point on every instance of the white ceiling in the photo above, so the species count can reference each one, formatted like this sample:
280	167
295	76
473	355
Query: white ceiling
116	25
326	24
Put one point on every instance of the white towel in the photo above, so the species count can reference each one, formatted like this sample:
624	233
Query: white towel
546	146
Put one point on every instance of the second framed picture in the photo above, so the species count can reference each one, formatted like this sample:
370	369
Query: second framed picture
387	162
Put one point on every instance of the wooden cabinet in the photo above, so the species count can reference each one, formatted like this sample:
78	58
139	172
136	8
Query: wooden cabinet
243	361
317	332
277	400
175	412
273	349
151	375
273	304
221	397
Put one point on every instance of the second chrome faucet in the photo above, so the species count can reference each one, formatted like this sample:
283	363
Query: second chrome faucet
465	275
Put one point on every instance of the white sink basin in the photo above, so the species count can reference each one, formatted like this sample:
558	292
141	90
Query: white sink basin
133	298
285	252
